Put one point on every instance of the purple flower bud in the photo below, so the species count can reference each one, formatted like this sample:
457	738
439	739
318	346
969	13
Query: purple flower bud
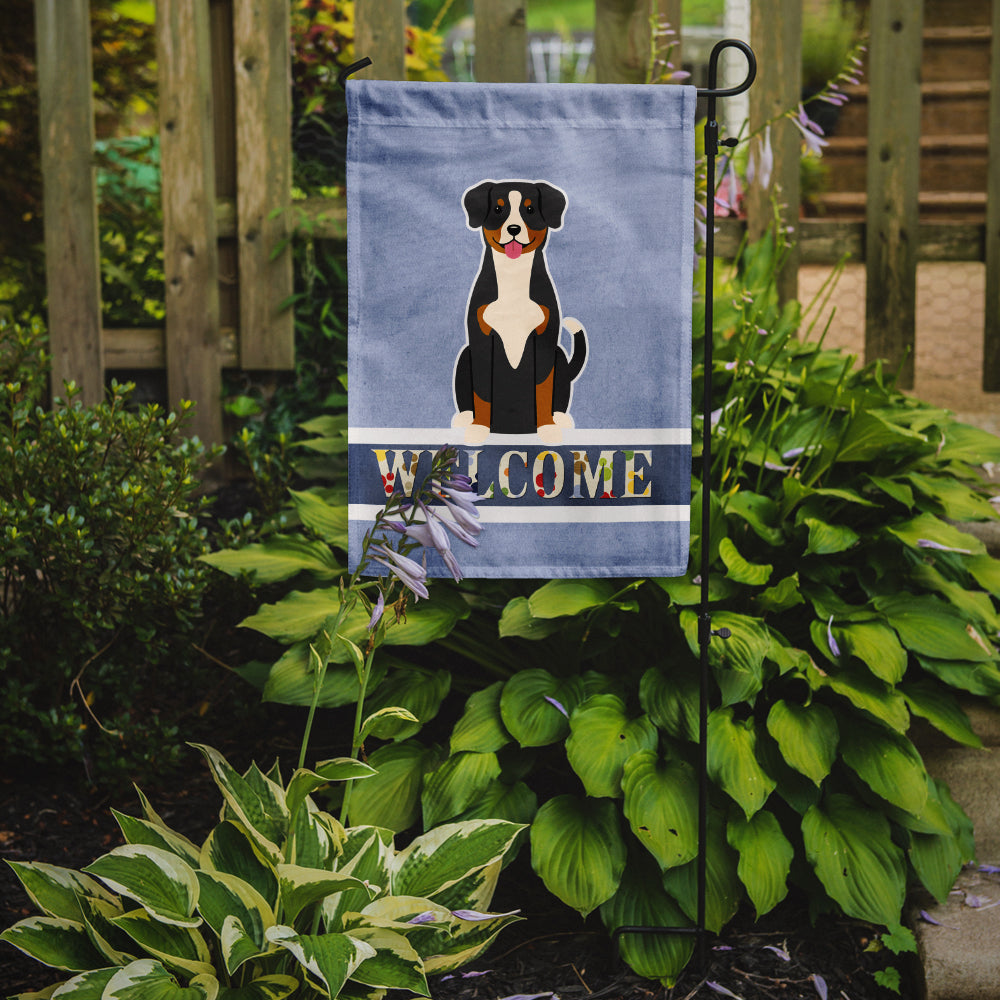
377	612
820	983
558	705
834	648
475	915
427	917
927	543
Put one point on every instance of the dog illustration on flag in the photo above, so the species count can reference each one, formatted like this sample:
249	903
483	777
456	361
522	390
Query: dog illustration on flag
513	377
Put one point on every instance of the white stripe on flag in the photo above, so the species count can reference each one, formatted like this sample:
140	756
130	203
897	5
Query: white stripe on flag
627	437
562	514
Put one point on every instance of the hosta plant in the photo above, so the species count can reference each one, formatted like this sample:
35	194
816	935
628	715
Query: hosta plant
279	900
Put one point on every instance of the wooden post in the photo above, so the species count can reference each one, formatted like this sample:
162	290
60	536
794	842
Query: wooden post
190	254
501	41
262	60
991	333
622	40
380	34
776	35
72	256
893	183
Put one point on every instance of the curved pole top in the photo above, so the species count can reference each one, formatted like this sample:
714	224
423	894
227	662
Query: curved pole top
713	69
353	68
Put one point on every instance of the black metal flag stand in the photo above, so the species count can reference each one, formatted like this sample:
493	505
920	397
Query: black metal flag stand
705	631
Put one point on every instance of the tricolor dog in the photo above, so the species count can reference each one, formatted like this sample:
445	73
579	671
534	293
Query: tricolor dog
513	377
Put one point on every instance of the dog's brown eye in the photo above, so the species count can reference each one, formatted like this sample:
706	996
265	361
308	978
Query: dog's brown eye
529	210
498	209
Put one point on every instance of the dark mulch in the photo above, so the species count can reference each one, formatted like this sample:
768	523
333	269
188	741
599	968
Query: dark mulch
55	820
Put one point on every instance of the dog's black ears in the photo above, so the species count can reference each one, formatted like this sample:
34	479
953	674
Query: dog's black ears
552	204
477	203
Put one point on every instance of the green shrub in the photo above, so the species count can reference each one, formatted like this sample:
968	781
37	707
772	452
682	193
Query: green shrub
99	540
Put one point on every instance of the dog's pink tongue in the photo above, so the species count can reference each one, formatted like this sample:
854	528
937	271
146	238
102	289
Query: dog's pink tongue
512	249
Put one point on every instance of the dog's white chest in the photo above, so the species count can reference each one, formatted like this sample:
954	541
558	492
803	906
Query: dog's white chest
514	316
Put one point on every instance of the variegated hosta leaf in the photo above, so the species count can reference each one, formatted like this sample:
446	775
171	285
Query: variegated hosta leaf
578	851
300	887
467	940
807	736
141	831
732	760
54	941
476	890
225	897
177	947
315	838
642	902
158	880
304	782
765	858
602	737
391	799
481	727
441	857
274	987
116	946
535	706
850	847
367	853
56	891
395	964
256	801
230	849
147	979
456	784
888	763
329	959
661	799
87	986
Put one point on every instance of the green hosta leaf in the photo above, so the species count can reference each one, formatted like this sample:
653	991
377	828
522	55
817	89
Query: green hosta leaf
180	948
292	680
865	692
87	986
330	959
986	571
738	661
391	798
928	528
558	598
739	569
965	443
783	595
888	763
876	646
56	891
230	849
262	812
937	859
466	941
807	736
869	436
932	628
732	760
974	604
415	689
723	889
527	711
301	887
456	784
141	831
159	881
976	678
661	799
279	558
641	901
274	987
147	979
765	858
758	511
602	738
225	897
515	803
941	709
481	728
850	847
386	723
238	944
395	964
517	620
54	941
957	501
684	592
578	851
671	699
438	859
827	539
327	520
893	488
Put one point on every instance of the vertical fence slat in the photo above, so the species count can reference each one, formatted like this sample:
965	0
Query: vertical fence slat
892	215
991	333
501	39
776	35
72	257
380	34
621	40
261	42
190	253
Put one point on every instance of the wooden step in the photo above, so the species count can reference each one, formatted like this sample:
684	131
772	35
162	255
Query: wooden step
940	13
956	53
957	206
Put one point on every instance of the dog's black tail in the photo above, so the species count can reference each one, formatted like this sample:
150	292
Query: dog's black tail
579	358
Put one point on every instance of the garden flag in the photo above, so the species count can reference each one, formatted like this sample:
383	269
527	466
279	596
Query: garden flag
520	265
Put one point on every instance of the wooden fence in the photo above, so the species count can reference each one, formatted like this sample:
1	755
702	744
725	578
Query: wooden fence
226	160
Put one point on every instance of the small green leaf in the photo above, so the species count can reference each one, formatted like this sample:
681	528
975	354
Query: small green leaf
327	520
456	784
828	539
530	706
279	558
517	620
739	569
765	858
671	699
559	598
732	760
481	727
807	736
391	798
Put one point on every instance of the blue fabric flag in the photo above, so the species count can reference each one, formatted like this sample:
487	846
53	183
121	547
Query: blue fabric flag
520	262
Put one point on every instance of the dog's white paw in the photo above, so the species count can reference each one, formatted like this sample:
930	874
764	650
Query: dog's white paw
462	419
550	434
476	433
573	325
563	420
